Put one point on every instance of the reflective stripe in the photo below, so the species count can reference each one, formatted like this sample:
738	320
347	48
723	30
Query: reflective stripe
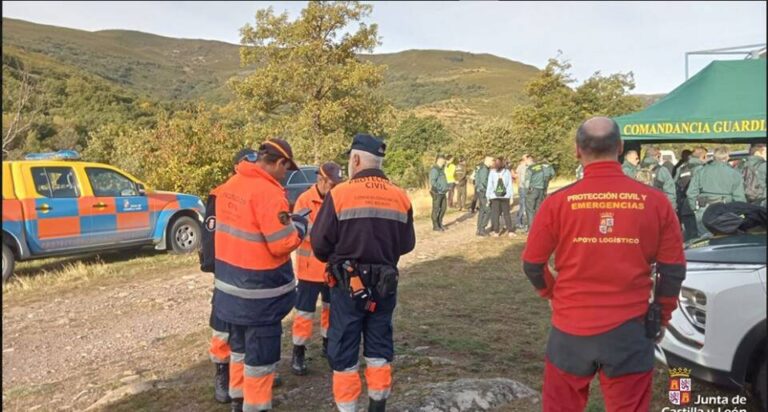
303	252
376	362
326	306
242	234
254	293
235	393
221	335
281	234
347	406
259	371
305	315
379	395
301	211
363	212
352	369
237	357
256	236
257	407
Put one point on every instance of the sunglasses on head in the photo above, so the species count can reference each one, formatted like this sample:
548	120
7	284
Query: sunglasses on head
251	157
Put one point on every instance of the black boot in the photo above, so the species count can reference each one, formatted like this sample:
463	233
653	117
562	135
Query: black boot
221	383
237	405
325	347
299	363
377	406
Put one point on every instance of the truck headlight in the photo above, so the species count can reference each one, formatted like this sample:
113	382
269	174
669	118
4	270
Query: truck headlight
693	303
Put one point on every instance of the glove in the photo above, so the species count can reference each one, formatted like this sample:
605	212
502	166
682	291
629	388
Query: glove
301	224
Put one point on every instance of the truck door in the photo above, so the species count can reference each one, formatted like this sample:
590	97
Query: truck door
52	218
119	213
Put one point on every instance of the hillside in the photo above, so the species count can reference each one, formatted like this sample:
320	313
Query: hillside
171	69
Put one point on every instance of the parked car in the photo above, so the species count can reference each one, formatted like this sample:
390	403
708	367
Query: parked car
298	181
56	205
719	329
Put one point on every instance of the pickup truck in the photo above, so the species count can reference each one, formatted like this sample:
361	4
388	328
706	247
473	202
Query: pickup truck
55	207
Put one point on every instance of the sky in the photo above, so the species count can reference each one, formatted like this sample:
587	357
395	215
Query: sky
648	38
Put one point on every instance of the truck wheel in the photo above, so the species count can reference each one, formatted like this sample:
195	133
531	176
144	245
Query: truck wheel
760	383
8	262
185	234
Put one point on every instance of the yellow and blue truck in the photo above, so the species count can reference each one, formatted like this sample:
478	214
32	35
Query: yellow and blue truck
56	205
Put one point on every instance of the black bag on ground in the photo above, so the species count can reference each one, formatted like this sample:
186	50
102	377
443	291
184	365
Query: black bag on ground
735	217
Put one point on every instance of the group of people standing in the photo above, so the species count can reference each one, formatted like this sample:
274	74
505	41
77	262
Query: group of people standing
494	181
698	181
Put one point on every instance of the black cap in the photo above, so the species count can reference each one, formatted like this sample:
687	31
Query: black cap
246	152
332	171
281	148
368	143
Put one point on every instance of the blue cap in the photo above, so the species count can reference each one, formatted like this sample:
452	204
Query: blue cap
368	143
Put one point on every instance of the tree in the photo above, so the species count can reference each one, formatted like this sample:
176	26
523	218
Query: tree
412	148
22	109
308	83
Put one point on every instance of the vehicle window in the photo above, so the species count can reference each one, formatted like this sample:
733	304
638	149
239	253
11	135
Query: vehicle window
108	183
311	175
297	178
55	182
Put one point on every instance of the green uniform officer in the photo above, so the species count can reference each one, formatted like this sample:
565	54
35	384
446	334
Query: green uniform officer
537	179
756	162
717	182
662	178
631	160
481	186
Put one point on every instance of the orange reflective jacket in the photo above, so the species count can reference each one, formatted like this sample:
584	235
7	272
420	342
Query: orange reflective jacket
308	268
253	242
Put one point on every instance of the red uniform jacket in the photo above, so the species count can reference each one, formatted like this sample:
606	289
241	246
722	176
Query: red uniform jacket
606	231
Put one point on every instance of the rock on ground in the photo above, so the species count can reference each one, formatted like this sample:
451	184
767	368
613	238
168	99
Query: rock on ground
470	395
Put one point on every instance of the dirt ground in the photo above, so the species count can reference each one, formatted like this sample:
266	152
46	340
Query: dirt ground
138	342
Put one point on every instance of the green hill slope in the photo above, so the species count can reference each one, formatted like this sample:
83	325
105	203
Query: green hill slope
172	69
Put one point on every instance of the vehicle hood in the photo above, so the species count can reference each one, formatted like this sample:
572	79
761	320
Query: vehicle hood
742	248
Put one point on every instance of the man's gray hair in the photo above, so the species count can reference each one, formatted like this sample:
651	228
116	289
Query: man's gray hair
368	160
721	154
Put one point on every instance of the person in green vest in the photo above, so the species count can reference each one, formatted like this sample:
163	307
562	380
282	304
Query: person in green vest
450	170
717	182
537	178
483	204
683	176
631	160
460	174
652	173
438	187
753	172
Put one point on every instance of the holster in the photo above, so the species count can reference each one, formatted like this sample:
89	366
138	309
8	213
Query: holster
380	280
653	320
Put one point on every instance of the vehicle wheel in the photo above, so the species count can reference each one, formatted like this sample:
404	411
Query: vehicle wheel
8	262
760	383
185	234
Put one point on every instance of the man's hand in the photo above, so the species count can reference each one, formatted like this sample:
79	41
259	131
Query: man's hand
661	334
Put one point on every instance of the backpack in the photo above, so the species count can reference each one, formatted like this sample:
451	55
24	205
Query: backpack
501	190
649	176
752	188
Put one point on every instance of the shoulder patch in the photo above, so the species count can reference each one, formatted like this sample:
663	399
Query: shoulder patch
284	218
210	223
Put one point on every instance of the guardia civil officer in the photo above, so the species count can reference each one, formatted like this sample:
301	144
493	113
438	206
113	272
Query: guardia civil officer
537	178
364	226
717	182
310	271
254	281
601	319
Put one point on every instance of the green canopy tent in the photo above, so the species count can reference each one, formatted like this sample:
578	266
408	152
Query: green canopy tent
724	103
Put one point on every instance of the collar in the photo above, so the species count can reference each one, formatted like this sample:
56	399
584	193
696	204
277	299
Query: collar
253	170
370	173
315	195
603	168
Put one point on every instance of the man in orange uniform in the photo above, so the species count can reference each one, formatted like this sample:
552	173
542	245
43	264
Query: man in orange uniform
254	286
362	229
310	271
601	319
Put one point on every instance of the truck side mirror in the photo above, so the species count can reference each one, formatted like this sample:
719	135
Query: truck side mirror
142	190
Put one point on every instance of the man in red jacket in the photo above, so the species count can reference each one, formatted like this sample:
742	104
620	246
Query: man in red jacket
607	232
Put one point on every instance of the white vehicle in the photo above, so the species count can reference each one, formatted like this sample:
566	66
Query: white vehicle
719	329
668	155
